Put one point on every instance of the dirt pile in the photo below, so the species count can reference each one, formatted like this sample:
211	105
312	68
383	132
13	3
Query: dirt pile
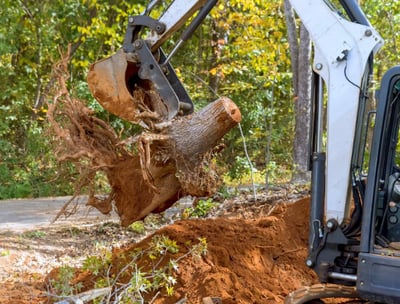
254	255
257	260
248	261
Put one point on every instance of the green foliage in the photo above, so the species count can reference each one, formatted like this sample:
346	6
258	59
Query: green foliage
31	38
240	51
4	252
31	171
201	209
384	16
137	227
62	284
34	234
151	270
97	264
241	168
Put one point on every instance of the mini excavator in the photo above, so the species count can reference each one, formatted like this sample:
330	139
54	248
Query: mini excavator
354	235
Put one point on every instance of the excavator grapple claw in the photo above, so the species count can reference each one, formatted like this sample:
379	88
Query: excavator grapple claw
129	84
138	81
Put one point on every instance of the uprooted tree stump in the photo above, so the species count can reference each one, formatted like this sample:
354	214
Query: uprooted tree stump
167	164
173	163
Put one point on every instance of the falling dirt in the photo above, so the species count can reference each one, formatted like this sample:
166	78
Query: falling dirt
256	254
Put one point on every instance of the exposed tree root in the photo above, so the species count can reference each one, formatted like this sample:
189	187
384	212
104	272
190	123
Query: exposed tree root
148	179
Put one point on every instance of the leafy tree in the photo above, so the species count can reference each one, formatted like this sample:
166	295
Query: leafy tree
384	16
240	51
31	39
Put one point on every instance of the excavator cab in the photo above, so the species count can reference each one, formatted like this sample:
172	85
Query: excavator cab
354	236
138	83
379	257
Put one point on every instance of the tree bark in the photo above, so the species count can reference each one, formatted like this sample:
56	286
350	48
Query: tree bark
300	49
196	134
293	44
302	110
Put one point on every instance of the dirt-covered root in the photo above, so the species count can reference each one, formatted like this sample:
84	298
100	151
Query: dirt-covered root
92	145
134	198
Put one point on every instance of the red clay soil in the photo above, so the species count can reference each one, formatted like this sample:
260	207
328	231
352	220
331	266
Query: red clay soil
257	260
248	261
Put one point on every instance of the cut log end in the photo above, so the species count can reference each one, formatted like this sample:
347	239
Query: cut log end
231	109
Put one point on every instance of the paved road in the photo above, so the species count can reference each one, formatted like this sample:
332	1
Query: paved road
24	214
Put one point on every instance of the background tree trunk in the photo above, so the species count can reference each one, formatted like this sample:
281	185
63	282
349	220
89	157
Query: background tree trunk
217	43
300	48
302	110
293	44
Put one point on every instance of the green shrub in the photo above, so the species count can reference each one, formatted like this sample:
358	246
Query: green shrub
202	208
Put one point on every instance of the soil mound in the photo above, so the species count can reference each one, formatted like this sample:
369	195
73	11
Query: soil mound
248	260
255	254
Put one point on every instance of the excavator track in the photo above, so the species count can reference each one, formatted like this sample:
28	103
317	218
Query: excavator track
312	294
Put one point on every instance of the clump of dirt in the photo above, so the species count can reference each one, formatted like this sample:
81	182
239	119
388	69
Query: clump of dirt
258	260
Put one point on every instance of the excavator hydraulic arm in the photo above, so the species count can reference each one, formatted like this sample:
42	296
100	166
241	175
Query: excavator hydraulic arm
341	52
344	47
